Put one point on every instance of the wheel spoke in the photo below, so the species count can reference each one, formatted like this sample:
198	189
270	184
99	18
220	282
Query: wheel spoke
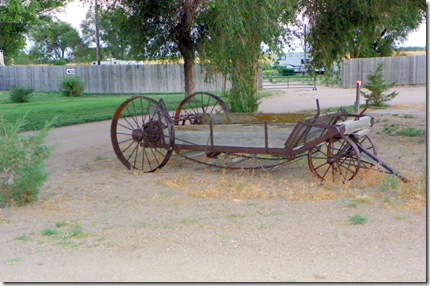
142	134
338	157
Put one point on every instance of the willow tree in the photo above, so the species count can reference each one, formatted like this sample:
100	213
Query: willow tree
358	28
237	31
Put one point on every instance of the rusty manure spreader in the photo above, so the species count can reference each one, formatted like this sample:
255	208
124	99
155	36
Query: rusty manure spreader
337	145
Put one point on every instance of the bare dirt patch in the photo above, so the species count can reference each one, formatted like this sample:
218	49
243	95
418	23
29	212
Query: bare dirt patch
97	221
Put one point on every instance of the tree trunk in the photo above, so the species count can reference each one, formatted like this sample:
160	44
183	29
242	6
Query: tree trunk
188	74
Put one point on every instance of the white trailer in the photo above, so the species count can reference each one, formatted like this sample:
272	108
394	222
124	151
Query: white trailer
298	61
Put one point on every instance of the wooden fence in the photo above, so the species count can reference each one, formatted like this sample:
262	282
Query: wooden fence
408	70
113	79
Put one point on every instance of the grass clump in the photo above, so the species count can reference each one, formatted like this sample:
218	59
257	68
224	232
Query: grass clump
22	163
20	94
72	86
394	130
357	219
389	183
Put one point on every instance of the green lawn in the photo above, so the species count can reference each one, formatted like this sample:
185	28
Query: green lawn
44	107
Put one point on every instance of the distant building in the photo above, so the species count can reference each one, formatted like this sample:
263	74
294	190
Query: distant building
113	61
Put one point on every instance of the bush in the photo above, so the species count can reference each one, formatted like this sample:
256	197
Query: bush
377	87
285	71
22	167
60	62
20	94
72	86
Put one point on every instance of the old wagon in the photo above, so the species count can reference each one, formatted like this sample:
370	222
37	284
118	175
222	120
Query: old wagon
337	145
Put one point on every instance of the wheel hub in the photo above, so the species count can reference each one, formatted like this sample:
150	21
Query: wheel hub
137	135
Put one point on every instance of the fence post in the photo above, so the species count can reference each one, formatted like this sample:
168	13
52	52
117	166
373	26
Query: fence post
357	96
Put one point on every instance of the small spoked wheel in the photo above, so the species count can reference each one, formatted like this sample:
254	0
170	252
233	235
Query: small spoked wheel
142	134
335	159
367	144
198	103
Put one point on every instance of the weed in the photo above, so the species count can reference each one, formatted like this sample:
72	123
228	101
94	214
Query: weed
277	213
23	237
411	132
236	216
363	199
61	224
12	261
353	205
391	129
394	130
400	217
390	182
225	237
190	221
49	232
357	219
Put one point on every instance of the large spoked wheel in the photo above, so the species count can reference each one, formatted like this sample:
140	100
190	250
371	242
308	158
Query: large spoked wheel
197	103
367	144
142	134
335	159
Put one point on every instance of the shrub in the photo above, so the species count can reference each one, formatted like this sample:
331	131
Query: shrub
285	71
22	167
357	219
20	94
60	62
72	86
377	87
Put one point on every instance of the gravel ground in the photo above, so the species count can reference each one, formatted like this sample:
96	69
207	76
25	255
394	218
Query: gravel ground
95	221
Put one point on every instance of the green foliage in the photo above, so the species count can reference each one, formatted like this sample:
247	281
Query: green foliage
20	94
236	30
54	41
22	167
357	219
16	18
356	28
411	132
389	183
72	86
285	71
60	62
394	130
72	110
377	86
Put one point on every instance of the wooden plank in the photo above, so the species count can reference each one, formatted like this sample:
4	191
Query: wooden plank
259	118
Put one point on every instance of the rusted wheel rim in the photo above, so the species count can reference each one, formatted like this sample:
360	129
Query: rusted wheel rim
367	144
336	159
197	103
142	134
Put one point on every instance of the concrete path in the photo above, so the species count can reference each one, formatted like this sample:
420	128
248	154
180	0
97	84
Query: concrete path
291	100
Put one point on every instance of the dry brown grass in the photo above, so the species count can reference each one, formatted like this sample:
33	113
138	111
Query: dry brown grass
234	185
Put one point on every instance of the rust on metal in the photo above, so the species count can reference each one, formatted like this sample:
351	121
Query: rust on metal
143	137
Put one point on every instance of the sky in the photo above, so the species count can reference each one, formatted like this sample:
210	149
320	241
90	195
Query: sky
75	12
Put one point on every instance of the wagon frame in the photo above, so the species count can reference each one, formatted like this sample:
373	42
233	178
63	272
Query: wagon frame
337	145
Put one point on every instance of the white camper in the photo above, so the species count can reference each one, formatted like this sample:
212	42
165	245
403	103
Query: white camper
296	61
